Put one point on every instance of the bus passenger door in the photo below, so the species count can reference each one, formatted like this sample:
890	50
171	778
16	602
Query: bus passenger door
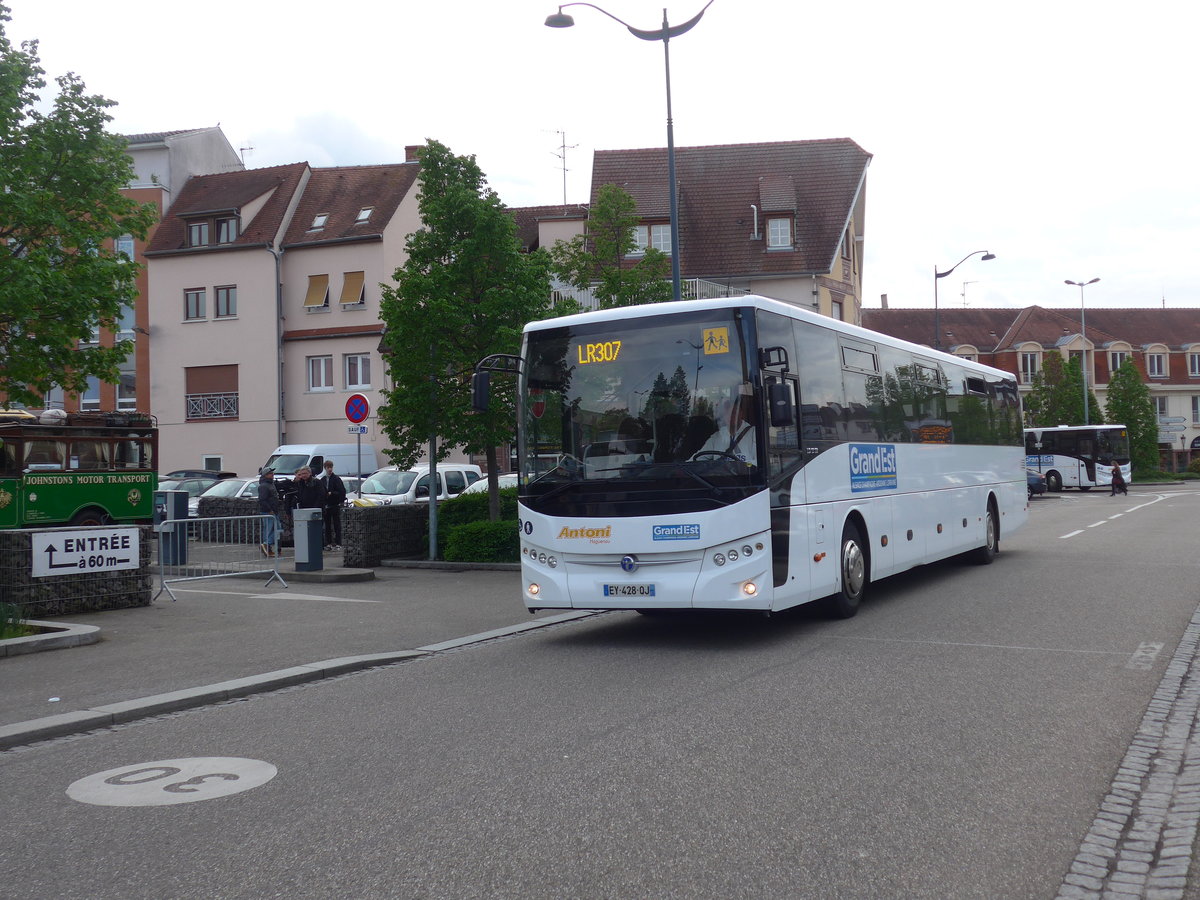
785	461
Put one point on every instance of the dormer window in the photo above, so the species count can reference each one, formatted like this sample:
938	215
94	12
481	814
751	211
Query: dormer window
656	236
318	221
198	234
779	233
364	215
227	230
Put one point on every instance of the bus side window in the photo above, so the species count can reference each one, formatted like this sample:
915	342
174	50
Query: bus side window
44	455
8	458
89	455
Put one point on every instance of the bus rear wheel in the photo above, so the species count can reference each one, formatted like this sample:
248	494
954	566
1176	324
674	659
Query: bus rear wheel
91	516
991	539
854	575
1053	481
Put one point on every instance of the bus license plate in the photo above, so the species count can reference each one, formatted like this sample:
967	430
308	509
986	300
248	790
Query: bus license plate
629	590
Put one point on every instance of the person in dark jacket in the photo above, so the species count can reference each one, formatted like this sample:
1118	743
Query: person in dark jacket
310	492
335	496
271	506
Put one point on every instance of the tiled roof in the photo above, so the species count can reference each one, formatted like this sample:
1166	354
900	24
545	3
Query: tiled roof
1003	329
527	218
340	193
231	191
718	185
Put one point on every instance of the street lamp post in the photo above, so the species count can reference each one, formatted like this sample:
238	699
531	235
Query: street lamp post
1083	343
937	321
664	34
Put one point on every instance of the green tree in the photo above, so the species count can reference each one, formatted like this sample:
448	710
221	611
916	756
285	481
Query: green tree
596	260
1056	397
61	206
1130	404
465	291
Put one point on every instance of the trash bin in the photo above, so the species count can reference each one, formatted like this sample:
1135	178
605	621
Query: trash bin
308	535
172	535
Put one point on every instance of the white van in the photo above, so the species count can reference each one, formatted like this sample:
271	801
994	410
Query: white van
290	457
391	484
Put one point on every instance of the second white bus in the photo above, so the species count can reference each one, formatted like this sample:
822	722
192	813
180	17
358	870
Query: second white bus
1078	456
745	454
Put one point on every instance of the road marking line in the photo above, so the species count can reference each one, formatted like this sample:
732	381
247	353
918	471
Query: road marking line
987	646
1063	537
1094	524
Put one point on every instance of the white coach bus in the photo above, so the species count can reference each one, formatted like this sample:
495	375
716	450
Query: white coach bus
1078	456
745	454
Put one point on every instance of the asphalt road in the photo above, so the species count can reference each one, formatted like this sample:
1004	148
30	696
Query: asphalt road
955	740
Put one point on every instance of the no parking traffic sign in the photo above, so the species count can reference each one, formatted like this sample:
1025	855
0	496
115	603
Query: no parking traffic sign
358	407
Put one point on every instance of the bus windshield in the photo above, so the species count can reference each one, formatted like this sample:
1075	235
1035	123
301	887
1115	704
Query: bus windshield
641	406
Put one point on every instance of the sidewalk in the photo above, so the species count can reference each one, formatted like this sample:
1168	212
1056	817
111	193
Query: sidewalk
228	637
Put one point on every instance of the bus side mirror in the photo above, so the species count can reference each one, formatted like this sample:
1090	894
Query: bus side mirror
481	383
779	401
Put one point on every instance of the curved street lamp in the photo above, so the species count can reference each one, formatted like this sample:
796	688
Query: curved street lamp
937	320
664	34
1083	366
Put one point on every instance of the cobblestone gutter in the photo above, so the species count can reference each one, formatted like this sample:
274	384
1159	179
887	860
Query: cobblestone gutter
1141	842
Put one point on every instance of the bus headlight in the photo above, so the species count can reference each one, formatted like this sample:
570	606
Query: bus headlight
749	588
534	589
719	559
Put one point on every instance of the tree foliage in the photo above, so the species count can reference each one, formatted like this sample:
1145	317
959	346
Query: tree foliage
1130	404
1056	397
465	292
596	261
61	206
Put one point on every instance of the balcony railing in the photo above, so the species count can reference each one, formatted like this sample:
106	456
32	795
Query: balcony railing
212	406
690	289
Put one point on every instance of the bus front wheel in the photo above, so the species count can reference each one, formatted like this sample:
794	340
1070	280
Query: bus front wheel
91	516
854	575
991	539
1053	481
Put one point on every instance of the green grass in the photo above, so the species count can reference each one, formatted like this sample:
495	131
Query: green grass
11	625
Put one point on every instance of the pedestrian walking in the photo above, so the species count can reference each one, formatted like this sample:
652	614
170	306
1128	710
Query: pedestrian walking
1118	482
269	506
335	496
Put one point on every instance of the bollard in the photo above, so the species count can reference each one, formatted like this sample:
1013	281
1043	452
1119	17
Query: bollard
168	506
308	535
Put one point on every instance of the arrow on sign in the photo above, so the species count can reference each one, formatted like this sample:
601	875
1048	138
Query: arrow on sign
50	551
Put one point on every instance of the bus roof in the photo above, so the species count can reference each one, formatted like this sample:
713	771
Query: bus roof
768	304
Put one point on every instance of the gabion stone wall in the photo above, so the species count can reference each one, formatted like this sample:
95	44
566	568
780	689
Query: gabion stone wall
223	507
59	595
375	533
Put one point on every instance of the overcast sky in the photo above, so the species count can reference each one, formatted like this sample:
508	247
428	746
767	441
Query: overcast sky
1059	135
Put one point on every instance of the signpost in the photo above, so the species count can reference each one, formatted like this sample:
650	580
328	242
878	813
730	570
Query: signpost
358	408
95	550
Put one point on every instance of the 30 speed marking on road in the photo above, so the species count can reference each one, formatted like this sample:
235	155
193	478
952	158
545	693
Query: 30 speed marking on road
167	782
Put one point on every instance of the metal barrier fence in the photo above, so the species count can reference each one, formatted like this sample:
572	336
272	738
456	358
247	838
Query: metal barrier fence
192	549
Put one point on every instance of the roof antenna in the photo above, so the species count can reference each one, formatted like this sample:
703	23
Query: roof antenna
563	148
242	152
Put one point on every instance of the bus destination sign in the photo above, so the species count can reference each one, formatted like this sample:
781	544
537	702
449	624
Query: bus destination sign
93	550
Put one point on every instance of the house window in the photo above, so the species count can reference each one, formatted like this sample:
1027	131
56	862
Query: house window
353	292
836	310
1195	410
124	244
641	239
198	234
320	373
54	398
364	215
1194	364
1160	407
226	301
90	398
318	293
1030	366
319	221
660	238
127	391
227	231
358	371
193	304
1156	365
779	233
1116	358
211	392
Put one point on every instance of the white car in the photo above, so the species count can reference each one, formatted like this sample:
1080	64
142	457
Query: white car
506	480
245	488
393	485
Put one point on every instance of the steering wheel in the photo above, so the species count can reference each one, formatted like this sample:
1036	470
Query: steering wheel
720	454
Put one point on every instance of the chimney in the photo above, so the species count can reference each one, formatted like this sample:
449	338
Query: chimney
883	301
411	151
